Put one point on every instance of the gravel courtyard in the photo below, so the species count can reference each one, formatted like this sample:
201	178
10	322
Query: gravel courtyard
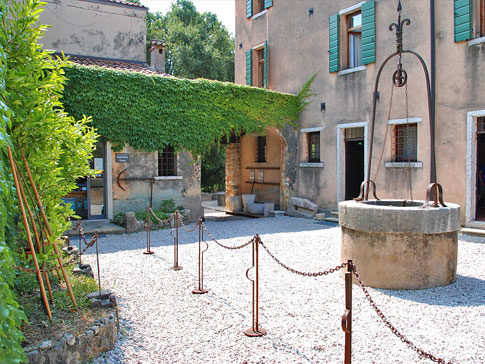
163	322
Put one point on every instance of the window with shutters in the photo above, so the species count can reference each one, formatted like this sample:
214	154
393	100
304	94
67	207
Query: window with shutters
167	162
469	19
261	149
257	66
313	143
254	7
405	143
352	37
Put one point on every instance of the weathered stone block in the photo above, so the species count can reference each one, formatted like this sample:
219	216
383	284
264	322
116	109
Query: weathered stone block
256	208
247	200
268	207
277	213
300	207
221	198
320	217
83	269
130	222
233	203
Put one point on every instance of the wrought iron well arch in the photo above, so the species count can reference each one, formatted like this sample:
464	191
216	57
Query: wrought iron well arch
399	79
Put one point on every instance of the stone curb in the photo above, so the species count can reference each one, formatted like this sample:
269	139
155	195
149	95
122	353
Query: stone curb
99	338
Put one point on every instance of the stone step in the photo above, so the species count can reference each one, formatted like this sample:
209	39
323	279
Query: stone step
335	213
473	231
332	219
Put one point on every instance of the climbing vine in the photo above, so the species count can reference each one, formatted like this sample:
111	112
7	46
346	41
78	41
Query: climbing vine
149	112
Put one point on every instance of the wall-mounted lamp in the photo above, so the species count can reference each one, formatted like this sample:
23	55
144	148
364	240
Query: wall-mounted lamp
240	45
323	106
310	11
377	95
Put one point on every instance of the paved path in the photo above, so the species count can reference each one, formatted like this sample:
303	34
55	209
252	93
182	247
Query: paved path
163	322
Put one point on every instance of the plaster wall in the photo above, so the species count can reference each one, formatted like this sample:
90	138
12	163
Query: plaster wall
96	29
184	188
298	45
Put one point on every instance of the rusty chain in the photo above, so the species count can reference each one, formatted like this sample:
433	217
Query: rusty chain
183	225
72	260
393	329
306	274
160	220
225	246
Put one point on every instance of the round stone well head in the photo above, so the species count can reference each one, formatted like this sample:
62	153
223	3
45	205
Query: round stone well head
398	244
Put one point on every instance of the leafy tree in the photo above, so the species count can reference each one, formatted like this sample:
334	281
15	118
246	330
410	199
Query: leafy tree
57	147
213	169
198	45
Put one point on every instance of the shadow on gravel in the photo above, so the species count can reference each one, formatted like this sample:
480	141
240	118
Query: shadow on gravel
465	292
233	229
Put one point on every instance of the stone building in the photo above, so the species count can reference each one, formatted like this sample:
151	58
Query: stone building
280	44
112	34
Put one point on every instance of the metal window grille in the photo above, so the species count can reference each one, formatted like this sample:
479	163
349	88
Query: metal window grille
481	125
167	162
354	40
405	143
354	133
261	149
313	147
260	54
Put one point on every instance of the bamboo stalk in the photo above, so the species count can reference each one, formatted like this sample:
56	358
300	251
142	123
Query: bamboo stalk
40	246
29	236
44	217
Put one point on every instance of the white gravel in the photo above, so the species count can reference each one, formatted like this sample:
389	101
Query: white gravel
163	322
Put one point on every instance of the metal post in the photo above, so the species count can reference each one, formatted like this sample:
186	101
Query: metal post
176	243
80	245
347	316
200	289
255	330
97	261
148	228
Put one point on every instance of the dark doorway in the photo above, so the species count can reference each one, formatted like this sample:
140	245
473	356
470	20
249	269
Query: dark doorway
480	197
354	162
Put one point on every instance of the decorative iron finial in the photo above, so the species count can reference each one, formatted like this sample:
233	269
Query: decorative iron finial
399	27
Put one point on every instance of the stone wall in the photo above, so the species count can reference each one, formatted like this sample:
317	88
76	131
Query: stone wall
233	169
69	349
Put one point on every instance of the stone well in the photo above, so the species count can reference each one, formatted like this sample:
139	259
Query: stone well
397	245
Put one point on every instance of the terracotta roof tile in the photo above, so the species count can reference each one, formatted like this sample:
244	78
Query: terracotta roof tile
123	2
116	64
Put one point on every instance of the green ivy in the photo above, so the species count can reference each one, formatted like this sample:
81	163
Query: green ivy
149	112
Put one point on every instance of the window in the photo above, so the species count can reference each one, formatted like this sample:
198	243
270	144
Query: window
469	19
261	149
481	124
405	146
357	47
354	39
257	6
313	142
167	162
257	68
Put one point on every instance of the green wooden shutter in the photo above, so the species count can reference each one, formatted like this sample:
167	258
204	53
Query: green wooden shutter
249	67
463	20
268	4
334	43
368	32
266	62
249	8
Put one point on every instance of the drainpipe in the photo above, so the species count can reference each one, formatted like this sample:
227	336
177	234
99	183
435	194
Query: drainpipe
433	63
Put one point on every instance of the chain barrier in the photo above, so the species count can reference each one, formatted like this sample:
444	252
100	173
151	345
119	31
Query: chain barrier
306	274
393	329
160	220
183	225
69	262
226	246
